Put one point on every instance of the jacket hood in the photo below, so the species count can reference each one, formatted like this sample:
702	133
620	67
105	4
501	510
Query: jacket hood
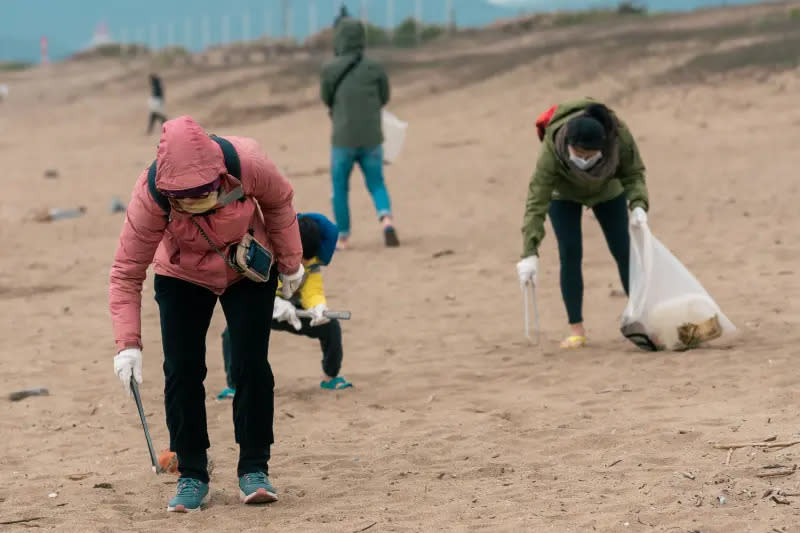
187	158
350	37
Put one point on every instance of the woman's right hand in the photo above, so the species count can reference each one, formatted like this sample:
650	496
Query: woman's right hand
128	363
526	270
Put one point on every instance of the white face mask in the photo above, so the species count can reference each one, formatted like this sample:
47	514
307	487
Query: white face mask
585	164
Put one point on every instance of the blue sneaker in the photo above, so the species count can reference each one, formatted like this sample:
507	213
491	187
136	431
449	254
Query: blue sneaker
256	488
192	494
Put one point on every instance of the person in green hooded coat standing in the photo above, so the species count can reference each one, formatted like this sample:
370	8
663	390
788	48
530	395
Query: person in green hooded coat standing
355	89
588	159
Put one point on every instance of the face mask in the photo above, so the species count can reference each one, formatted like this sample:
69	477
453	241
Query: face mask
585	164
197	206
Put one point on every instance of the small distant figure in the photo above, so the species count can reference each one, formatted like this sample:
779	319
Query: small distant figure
3	92
156	103
343	13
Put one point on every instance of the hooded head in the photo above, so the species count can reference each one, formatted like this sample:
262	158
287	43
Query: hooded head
350	37
189	164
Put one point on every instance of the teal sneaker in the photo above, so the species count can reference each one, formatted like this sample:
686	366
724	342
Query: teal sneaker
337	383
192	494
256	488
226	393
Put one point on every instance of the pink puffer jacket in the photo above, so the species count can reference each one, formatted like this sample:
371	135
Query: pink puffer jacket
188	158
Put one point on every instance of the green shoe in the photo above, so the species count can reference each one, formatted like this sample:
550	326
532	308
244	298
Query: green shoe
256	488
192	494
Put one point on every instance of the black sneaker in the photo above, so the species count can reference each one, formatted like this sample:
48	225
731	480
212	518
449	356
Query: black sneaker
390	237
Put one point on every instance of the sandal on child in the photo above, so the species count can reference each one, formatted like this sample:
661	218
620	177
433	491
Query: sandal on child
573	341
337	383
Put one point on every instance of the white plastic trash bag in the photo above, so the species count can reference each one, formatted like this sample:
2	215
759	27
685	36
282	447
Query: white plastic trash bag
668	309
394	136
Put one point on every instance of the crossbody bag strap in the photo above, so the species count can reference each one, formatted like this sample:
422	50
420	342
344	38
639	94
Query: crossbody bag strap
211	243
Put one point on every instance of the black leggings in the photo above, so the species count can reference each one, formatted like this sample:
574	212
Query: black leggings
186	310
330	341
154	116
566	219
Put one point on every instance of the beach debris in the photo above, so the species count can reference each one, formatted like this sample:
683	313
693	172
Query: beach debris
51	173
117	206
58	213
25	393
442	253
20	521
772	444
777	470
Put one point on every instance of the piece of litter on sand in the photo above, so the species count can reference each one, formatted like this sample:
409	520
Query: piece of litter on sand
25	393
103	485
117	206
442	253
722	499
779	499
762	444
52	495
615	463
20	521
57	213
365	528
688	475
51	173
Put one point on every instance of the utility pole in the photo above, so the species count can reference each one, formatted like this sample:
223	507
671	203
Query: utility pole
418	17
286	18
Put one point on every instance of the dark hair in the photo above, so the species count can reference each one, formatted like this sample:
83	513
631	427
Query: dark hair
586	132
601	114
309	236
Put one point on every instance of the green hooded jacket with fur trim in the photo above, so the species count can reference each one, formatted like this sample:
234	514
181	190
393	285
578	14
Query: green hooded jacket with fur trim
551	179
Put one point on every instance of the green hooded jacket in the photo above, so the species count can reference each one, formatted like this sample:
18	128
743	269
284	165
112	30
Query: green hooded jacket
551	179
356	106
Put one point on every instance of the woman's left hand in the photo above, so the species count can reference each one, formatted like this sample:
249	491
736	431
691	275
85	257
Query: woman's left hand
291	282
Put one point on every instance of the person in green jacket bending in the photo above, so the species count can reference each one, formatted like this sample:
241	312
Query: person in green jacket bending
588	158
355	88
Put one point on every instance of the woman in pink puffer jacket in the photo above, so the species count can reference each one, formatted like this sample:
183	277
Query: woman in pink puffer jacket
190	276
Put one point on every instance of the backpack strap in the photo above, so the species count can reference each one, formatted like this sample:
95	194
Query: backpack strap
347	69
231	157
232	164
159	198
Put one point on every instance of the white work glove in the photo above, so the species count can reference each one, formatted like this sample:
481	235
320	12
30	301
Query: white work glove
526	269
638	217
292	282
128	363
284	311
318	317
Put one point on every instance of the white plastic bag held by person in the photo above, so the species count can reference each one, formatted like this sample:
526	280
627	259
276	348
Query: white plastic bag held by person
394	136
668	309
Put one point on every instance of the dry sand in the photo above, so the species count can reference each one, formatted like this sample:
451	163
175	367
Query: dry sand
456	423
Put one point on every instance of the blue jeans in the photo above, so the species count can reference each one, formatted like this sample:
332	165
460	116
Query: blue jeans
371	162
